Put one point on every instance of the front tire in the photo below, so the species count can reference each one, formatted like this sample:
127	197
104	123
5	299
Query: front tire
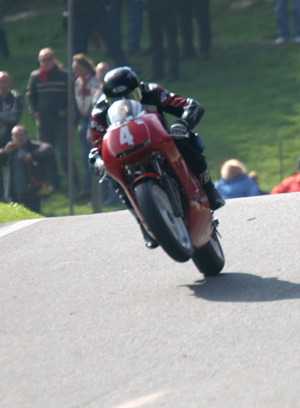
169	231
210	259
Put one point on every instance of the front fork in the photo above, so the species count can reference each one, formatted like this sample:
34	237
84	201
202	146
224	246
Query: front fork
168	187
167	184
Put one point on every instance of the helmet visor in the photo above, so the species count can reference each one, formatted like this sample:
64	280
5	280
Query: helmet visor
135	95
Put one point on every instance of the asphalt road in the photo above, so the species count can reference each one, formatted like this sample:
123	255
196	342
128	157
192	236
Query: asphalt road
91	318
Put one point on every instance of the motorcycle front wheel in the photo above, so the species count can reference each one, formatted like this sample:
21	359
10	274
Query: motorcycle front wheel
169	231
210	259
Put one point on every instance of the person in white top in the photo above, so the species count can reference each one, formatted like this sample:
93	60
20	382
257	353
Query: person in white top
86	84
109	196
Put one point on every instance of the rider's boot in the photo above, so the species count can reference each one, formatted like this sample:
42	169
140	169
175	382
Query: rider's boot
215	199
192	151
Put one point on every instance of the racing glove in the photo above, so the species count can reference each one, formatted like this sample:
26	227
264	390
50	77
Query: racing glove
96	164
179	129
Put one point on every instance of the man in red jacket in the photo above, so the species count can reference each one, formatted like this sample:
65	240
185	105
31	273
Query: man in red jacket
290	184
47	98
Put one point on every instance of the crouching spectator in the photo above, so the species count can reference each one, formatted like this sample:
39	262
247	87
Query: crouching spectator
235	182
290	184
32	171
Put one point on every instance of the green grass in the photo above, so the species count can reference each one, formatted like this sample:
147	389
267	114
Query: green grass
249	87
15	212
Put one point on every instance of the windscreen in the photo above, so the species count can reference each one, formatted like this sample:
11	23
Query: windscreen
123	111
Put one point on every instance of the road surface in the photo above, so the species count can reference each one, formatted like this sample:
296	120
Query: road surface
90	318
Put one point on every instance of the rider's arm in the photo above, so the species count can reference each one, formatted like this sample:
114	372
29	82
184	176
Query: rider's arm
98	123
97	131
189	110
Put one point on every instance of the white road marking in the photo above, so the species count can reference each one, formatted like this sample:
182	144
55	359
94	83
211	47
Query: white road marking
17	226
140	402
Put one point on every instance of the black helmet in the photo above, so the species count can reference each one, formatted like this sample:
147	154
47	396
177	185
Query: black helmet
120	82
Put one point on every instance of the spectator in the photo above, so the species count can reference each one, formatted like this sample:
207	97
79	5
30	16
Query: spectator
101	69
148	49
186	11
91	16
235	182
86	85
282	21
109	196
134	9
253	174
95	37
31	167
47	97
290	184
3	44
11	106
162	21
185	21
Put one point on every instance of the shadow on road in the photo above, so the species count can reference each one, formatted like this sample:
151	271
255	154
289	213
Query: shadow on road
244	287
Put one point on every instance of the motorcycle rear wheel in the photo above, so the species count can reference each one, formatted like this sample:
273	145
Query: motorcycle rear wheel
169	231
210	258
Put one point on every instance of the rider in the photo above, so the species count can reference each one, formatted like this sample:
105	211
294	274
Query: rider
123	82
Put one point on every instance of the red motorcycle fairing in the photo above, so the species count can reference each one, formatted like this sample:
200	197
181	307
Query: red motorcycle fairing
131	143
136	142
123	139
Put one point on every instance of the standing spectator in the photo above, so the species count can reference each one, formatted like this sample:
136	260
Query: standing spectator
101	70
185	21
134	9
47	97
31	169
11	106
235	182
282	21
3	44
109	196
95	37
162	21
86	85
92	16
186	11
290	184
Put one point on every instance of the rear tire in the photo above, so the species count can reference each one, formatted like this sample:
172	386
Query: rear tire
210	259
169	231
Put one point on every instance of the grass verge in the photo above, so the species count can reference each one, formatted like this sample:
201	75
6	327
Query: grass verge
15	212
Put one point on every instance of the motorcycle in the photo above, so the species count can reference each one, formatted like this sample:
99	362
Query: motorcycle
165	194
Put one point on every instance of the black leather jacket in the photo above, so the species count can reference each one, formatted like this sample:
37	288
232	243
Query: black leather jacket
50	97
11	109
154	99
